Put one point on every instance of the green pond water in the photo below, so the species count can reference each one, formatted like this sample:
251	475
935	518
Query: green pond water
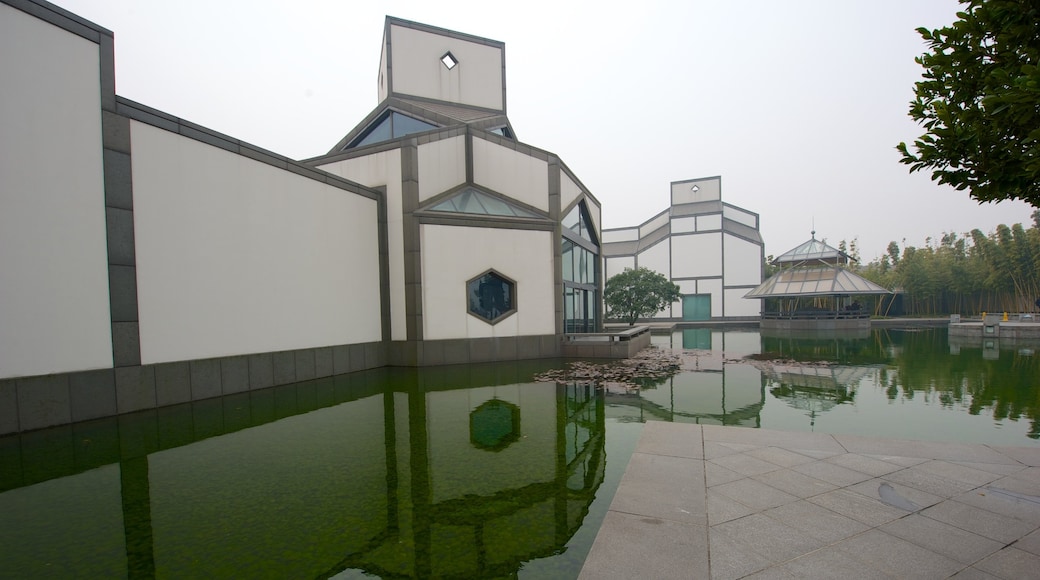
459	472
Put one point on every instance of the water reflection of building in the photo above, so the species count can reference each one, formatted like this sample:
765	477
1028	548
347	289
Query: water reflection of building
814	389
712	389
414	479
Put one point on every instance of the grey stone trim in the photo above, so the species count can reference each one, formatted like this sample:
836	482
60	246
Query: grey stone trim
436	218
696	209
742	231
234	375
473	350
107	67
412	242
384	272
156	118
468	184
115	132
517	146
61	18
43	401
205	379
656	236
135	389
120	226
9	406
122	288
556	214
92	394
31	403
126	344
172	383
118	180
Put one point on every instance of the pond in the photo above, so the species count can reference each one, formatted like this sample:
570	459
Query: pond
468	472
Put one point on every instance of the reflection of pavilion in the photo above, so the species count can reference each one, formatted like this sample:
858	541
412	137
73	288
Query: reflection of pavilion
396	474
813	388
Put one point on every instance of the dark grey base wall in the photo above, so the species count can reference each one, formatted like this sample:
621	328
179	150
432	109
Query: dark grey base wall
45	401
36	402
473	350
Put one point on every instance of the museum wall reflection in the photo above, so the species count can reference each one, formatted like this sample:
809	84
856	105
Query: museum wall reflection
400	475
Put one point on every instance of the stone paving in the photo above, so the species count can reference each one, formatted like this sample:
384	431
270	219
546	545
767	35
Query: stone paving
730	502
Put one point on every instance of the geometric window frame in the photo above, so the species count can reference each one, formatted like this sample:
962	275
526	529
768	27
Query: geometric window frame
485	299
472	201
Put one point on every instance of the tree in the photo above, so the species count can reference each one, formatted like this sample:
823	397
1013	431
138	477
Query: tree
639	293
978	102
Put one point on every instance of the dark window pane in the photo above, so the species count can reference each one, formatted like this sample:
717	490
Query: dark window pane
405	125
490	296
381	132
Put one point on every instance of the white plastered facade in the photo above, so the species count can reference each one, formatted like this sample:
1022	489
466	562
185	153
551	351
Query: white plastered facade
236	256
54	311
710	249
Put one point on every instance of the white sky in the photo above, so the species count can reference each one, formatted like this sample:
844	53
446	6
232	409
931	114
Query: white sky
798	105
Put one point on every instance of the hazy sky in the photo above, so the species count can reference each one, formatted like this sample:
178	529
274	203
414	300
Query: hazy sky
798	105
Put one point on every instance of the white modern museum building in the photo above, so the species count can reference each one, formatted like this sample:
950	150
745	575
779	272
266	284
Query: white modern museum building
147	261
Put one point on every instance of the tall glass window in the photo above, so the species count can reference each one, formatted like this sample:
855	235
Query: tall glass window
581	267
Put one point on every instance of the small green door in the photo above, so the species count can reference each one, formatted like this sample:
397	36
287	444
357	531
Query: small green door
696	307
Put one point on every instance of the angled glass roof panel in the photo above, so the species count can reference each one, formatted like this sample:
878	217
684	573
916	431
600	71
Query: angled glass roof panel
476	202
383	131
812	250
405	125
391	126
815	282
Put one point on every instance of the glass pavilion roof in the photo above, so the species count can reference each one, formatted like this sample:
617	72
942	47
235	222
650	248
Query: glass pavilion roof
813	250
816	281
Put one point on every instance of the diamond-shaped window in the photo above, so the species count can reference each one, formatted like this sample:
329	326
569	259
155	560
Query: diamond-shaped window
494	425
449	61
491	296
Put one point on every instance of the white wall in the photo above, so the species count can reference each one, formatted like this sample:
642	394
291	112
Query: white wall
696	255
235	256
54	309
451	256
713	287
625	235
617	265
569	191
737	305
417	68
743	262
731	213
709	189
655	223
709	222
684	225
442	166
379	170
514	174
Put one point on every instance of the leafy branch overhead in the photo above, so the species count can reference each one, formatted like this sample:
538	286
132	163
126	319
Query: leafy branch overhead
980	102
639	293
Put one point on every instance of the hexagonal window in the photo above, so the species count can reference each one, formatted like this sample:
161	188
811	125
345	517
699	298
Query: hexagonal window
491	296
494	425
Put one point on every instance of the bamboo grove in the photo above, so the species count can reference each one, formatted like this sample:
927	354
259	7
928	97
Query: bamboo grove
964	274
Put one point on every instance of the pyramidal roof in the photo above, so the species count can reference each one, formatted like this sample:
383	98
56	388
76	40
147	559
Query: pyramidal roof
813	250
817	281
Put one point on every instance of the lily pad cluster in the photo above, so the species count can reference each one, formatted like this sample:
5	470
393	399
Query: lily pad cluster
648	367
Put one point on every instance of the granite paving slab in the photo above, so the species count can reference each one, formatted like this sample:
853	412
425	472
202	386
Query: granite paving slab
731	502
